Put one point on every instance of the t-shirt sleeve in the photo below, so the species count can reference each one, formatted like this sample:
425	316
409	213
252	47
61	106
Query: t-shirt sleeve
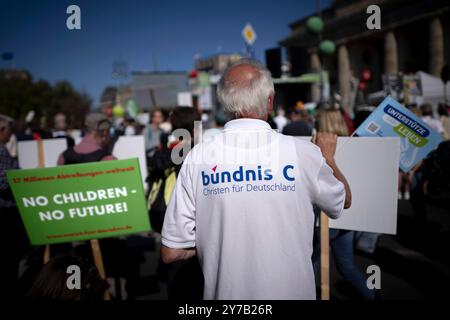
179	221
330	192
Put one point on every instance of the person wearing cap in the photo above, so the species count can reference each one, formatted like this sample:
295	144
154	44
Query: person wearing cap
93	147
243	200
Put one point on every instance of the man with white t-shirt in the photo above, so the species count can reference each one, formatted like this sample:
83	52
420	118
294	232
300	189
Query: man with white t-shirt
243	199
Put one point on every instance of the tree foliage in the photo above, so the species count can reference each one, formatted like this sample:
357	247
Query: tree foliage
19	94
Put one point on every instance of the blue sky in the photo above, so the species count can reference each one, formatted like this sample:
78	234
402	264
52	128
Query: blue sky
137	31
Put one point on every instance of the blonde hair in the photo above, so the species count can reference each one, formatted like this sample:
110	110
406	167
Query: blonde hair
332	121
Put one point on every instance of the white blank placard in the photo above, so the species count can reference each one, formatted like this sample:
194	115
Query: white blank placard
27	152
52	150
132	147
371	167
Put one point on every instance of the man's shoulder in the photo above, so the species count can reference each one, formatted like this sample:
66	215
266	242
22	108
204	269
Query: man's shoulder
304	143
198	149
305	147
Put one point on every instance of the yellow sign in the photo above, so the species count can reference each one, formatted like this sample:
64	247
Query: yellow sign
249	34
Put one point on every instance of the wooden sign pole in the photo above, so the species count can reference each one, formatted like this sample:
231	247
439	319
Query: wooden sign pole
99	264
324	257
46	254
41	164
40	152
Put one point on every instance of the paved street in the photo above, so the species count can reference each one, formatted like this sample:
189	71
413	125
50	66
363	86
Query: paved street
415	263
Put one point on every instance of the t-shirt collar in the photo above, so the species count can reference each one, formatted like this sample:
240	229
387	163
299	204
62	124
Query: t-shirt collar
247	124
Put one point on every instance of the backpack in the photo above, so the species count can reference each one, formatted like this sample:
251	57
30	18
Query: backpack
162	178
159	198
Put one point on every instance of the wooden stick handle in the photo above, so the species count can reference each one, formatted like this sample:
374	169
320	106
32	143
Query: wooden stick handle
41	164
46	253
99	264
40	153
324	257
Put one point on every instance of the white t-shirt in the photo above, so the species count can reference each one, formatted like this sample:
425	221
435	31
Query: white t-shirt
434	123
281	122
130	131
244	200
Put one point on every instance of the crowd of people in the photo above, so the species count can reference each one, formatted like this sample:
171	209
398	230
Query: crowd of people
189	262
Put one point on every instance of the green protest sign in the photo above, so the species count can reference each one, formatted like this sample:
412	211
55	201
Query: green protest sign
80	202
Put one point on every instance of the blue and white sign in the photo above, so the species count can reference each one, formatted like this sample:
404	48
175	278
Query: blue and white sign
391	119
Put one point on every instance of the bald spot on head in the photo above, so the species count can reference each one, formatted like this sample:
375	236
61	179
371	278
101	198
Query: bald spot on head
246	90
242	75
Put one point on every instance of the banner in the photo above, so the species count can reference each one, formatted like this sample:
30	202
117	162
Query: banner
126	147
80	202
391	119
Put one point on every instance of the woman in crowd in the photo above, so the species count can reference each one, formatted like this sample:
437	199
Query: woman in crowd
152	132
185	278
331	120
445	120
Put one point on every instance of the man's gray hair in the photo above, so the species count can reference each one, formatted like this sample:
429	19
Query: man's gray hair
246	96
96	122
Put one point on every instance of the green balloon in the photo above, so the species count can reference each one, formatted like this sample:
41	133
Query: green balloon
314	24
327	47
118	111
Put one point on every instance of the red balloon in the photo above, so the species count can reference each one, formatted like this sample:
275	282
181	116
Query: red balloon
366	75
193	74
362	86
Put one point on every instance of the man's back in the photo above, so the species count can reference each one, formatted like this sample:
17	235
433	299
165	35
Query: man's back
245	201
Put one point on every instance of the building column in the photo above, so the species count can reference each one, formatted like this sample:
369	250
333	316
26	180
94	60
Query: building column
390	54
314	61
344	73
436	47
